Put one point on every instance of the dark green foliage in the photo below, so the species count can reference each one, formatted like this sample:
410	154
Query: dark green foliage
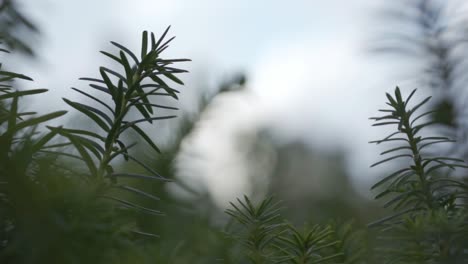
431	218
128	92
307	246
61	221
267	238
19	146
142	80
429	205
431	237
261	226
50	213
423	185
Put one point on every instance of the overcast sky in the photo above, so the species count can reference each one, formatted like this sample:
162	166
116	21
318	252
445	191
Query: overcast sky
310	77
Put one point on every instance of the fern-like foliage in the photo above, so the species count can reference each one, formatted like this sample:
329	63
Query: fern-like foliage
422	193
307	246
267	238
142	78
421	186
261	225
433	237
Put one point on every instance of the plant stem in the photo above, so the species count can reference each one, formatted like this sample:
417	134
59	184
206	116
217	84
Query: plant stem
418	167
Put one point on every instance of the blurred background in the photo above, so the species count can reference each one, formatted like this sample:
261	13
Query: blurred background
310	83
279	93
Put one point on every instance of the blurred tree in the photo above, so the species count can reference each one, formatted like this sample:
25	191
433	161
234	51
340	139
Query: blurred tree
315	186
433	35
15	27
